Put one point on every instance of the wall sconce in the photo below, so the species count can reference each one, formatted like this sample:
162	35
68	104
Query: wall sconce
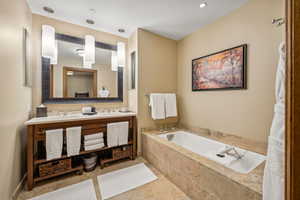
48	41
89	51
114	61
121	54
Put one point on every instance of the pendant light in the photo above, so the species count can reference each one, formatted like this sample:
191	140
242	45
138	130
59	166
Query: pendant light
121	54
114	61
87	64
48	41
89	51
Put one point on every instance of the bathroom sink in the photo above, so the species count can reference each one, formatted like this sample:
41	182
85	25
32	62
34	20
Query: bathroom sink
77	116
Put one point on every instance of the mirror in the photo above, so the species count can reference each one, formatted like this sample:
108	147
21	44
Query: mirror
69	81
78	83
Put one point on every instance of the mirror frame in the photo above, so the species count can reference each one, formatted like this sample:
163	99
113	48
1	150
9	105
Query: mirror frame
46	88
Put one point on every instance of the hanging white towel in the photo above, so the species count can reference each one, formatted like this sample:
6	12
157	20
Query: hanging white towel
112	134
93	147
171	105
157	104
93	142
123	133
117	134
93	136
73	140
54	143
273	181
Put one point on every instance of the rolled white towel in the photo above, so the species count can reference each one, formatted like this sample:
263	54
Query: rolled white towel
93	136
93	142
93	147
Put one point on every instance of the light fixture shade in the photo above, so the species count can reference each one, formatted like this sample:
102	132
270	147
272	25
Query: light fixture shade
121	54
89	50
53	61
114	61
48	41
87	65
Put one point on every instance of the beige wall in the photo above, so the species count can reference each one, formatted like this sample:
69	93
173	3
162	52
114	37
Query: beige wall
247	113
15	98
79	83
132	93
58	90
74	30
108	79
156	71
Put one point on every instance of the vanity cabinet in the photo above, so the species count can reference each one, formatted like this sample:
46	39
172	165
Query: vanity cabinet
39	168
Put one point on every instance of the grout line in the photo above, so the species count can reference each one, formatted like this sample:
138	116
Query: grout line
96	187
19	188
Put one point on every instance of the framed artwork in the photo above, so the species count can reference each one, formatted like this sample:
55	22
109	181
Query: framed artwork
224	70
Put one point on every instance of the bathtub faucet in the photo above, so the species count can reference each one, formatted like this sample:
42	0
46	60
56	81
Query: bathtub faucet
231	151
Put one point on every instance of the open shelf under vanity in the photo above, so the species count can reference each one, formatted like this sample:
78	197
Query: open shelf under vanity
40	169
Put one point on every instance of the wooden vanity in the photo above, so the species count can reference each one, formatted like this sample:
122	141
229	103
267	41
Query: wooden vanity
36	136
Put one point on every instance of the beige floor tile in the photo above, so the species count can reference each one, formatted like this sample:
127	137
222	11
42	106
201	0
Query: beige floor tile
161	189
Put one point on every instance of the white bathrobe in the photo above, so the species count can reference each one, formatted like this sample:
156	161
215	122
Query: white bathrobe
273	182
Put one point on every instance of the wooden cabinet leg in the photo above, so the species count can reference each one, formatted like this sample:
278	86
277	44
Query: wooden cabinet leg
135	137
30	153
79	172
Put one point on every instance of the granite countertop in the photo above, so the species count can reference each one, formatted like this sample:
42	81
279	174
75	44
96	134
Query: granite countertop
77	117
252	180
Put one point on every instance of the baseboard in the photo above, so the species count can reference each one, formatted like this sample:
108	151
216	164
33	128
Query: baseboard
19	188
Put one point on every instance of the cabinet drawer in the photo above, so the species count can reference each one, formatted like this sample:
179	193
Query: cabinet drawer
93	126
93	131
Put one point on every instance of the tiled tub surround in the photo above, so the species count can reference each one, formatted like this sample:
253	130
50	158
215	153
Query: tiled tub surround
200	177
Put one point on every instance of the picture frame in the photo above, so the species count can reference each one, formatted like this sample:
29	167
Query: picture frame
26	58
133	69
223	70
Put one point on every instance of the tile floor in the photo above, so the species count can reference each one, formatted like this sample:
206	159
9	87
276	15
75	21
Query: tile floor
161	189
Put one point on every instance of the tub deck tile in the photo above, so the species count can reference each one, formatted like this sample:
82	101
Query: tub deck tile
199	176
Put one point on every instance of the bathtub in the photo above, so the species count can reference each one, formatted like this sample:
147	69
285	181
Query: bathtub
211	149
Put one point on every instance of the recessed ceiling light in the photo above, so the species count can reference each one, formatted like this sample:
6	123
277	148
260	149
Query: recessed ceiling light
89	21
121	30
48	9
92	10
202	5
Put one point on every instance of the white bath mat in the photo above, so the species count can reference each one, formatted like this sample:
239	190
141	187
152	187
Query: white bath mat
123	180
83	190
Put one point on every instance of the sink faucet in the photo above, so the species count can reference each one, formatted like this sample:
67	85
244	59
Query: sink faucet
231	151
